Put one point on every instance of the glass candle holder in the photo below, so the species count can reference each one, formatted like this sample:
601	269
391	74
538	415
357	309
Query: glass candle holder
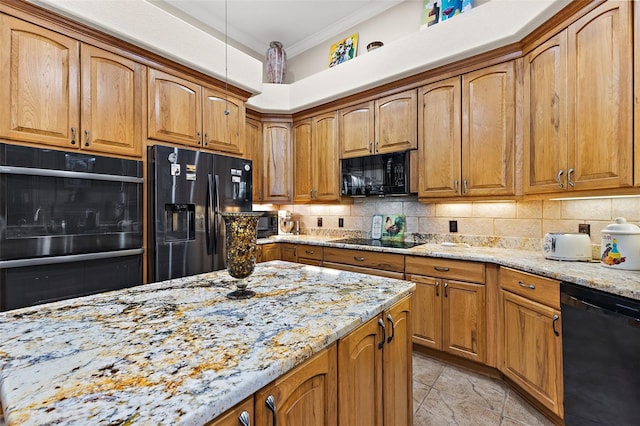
241	235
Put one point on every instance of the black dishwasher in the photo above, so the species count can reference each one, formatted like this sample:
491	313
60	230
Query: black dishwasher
601	357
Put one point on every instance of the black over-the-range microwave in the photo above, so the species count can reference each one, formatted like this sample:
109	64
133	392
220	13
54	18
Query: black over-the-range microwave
380	174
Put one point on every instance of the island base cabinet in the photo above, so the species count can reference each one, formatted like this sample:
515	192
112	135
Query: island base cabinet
375	385
235	416
303	397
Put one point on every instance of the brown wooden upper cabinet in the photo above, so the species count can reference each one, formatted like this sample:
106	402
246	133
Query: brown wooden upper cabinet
253	141
185	112
276	162
316	173
388	124
466	134
578	104
60	92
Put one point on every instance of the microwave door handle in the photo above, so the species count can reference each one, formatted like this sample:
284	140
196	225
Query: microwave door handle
208	211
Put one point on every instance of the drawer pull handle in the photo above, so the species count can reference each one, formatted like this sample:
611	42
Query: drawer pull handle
271	404
384	333
393	328
525	285
309	251
553	324
359	259
244	418
86	138
441	268
73	136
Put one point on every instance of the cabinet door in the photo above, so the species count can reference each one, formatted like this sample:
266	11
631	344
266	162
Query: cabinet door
113	101
463	319
277	161
531	353
270	252
175	109
326	163
396	125
600	87
232	416
39	94
253	140
289	252
223	132
439	137
427	312
545	117
360	379
305	396
397	383
488	130
357	130
302	162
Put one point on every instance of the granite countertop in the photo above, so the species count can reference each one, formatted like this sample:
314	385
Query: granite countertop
176	352
588	274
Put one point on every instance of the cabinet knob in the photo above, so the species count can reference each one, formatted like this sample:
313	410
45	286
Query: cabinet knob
358	258
244	418
271	404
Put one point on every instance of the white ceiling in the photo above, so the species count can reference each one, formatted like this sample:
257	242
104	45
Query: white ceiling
297	24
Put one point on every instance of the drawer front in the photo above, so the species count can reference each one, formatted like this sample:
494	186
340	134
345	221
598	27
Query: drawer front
307	251
533	287
362	270
446	268
367	259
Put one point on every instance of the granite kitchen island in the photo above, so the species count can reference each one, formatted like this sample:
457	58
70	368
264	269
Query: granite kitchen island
177	352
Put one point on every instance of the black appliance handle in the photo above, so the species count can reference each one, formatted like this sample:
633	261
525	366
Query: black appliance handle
28	171
207	214
38	261
216	211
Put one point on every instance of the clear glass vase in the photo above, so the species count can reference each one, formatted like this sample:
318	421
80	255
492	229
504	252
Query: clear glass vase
241	235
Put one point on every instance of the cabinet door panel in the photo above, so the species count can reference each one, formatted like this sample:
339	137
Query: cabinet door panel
326	164
277	161
253	135
303	162
39	96
223	132
439	137
357	130
112	102
232	416
545	116
397	366
175	109
463	319
488	130
360	379
600	85
396	122
531	353
427	311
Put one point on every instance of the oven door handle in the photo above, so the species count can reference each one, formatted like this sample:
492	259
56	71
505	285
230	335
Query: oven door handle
28	171
20	263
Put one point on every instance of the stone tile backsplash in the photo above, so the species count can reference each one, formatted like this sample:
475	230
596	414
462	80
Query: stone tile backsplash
509	224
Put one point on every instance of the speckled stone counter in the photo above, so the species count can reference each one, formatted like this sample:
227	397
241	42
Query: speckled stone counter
589	274
176	352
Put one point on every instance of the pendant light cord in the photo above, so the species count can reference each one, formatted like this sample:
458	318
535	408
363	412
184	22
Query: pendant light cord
226	63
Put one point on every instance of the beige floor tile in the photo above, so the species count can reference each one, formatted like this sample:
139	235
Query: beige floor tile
442	409
521	412
480	390
420	392
426	370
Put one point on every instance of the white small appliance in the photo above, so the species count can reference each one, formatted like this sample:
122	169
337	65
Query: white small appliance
620	248
285	222
567	246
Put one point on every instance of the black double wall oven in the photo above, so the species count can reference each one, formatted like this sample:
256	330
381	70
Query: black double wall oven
70	225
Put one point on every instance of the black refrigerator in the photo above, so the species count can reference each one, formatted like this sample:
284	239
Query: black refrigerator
188	191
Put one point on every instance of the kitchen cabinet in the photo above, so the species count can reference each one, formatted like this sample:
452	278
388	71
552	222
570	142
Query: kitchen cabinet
267	252
374	361
309	254
316	164
449	306
369	262
578	105
388	124
466	134
289	252
60	92
253	141
304	396
185	112
276	161
530	352
240	415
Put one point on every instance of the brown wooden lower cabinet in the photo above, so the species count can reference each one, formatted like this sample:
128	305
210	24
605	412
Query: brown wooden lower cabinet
233	416
289	252
267	252
310	254
369	262
375	365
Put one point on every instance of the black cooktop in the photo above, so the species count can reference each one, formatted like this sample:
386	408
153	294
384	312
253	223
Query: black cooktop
377	243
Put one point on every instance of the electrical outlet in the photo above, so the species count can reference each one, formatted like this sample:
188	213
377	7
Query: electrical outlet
340	222
584	228
453	226
319	222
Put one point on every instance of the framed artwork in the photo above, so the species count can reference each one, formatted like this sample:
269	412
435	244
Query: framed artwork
430	13
343	50
393	227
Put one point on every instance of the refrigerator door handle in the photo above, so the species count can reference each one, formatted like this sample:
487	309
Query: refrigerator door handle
209	210
216	212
